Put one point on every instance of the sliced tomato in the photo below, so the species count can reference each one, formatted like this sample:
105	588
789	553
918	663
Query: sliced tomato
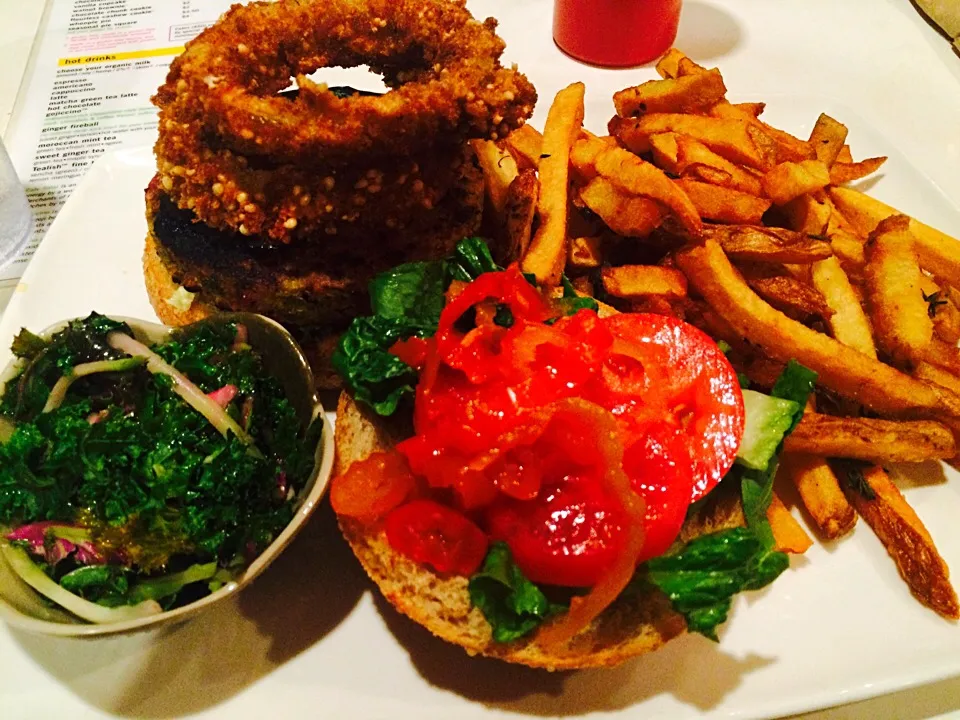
693	385
372	487
660	471
436	535
413	351
568	536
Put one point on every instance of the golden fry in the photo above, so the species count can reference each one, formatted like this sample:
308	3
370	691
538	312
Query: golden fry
788	181
671	95
585	252
938	252
499	170
931	373
625	215
548	249
668	65
789	148
635	177
805	214
789	295
519	214
827	139
844	370
788	534
665	151
892	280
768	244
692	152
723	204
728	138
638	281
871	439
525	144
841	173
907	541
848	323
821	494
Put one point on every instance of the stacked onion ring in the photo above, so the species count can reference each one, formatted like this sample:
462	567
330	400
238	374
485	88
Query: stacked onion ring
318	190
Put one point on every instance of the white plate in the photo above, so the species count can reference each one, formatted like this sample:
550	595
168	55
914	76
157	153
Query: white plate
310	639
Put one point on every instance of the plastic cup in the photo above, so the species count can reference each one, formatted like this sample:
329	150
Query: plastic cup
615	33
16	217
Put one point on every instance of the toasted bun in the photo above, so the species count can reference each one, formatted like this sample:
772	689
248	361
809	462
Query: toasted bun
161	287
635	624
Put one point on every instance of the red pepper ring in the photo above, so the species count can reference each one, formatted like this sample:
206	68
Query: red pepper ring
474	353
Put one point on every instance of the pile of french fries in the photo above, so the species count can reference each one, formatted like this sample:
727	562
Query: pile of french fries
695	207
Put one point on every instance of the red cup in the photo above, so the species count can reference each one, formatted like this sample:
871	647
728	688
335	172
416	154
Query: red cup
615	33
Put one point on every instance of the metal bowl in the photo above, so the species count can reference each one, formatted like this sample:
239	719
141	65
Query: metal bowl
22	607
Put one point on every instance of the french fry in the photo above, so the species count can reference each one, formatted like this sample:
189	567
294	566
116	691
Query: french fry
525	144
805	214
892	280
846	371
848	248
871	439
821	494
842	172
789	180
931	373
728	138
907	541
848	323
499	170
519	213
942	310
638	281
635	177
548	249
844	155
668	65
585	252
665	151
827	138
723	204
753	108
671	95
788	534
938	252
789	295
692	152
625	215
789	148
768	244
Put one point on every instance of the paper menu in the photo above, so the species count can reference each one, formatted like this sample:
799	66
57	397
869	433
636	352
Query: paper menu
94	66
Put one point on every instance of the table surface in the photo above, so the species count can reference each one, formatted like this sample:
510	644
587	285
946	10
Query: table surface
19	22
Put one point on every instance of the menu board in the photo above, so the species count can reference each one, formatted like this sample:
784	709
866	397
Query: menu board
93	69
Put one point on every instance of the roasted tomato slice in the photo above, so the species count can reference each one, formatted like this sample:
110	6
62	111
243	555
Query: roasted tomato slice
372	487
569	535
689	383
660	471
436	535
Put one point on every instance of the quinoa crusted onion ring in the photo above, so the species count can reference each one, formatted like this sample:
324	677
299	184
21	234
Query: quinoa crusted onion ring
280	203
442	63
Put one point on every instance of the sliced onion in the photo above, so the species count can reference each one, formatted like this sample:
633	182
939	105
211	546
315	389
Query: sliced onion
22	565
59	392
194	396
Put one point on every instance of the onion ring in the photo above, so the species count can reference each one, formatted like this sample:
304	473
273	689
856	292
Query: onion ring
242	158
442	63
